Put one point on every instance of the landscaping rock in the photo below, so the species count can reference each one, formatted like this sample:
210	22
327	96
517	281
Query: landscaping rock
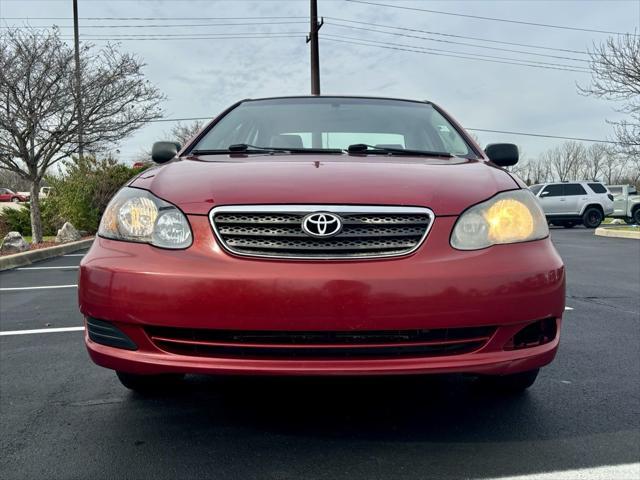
67	233
617	221
13	243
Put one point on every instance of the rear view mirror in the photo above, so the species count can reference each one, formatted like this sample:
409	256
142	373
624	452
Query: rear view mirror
502	154
162	152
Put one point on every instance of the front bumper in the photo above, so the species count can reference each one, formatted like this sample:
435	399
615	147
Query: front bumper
137	286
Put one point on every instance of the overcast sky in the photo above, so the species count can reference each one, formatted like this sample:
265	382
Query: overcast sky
201	77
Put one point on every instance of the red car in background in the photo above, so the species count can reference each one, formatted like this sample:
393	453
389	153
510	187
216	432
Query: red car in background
324	236
7	195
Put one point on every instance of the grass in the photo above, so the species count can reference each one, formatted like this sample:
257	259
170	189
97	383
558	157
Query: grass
608	220
628	228
44	239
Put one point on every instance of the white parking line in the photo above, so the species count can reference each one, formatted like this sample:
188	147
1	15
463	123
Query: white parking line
41	330
568	309
16	289
74	255
68	267
607	472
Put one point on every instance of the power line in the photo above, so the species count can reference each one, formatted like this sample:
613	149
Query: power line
182	35
525	134
179	119
543	136
493	19
333	37
179	25
172	19
344	20
527	45
453	54
164	38
459	43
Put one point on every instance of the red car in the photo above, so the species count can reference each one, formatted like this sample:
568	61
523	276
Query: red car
7	195
324	236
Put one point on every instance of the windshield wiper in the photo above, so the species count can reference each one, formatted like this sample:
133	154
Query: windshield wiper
240	148
365	148
244	147
247	148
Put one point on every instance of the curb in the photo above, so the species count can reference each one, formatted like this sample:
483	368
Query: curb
610	232
26	258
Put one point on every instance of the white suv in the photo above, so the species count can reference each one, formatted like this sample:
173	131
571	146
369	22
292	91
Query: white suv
570	203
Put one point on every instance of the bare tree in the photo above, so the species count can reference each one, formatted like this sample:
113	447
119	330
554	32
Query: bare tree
592	164
12	180
615	72
38	118
182	133
633	172
522	169
612	167
565	160
540	170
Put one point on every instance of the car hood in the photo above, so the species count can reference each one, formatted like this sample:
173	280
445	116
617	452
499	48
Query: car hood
447	186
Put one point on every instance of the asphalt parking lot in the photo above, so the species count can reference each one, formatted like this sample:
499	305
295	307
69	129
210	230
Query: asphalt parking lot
63	417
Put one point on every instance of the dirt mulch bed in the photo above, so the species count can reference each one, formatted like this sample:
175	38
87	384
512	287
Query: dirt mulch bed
41	245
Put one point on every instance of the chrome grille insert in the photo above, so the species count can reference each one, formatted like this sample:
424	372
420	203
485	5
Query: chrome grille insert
275	231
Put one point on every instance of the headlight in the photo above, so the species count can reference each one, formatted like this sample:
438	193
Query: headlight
509	217
137	215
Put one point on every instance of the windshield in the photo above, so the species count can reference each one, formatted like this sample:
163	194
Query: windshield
535	188
329	122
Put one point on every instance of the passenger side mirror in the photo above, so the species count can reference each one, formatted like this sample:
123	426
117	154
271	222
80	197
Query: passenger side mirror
502	154
162	152
544	193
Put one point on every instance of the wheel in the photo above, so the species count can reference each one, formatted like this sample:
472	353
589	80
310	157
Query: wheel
592	217
150	383
636	216
514	383
569	224
15	200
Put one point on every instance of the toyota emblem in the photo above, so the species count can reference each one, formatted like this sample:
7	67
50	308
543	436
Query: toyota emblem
321	224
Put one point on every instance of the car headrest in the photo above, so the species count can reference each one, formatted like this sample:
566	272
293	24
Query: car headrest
389	145
286	141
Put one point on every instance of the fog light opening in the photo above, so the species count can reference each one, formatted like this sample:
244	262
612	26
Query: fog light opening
533	335
105	333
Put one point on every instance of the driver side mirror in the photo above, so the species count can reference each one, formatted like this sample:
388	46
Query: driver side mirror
502	154
162	152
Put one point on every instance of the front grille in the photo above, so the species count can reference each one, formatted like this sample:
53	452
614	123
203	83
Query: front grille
277	231
324	345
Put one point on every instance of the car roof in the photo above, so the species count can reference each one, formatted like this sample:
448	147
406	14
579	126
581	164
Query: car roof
570	181
356	97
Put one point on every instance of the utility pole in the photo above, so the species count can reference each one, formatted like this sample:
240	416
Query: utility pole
313	40
76	41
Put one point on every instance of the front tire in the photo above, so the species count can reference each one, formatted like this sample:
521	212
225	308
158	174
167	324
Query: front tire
15	200
514	383
592	217
148	384
636	216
